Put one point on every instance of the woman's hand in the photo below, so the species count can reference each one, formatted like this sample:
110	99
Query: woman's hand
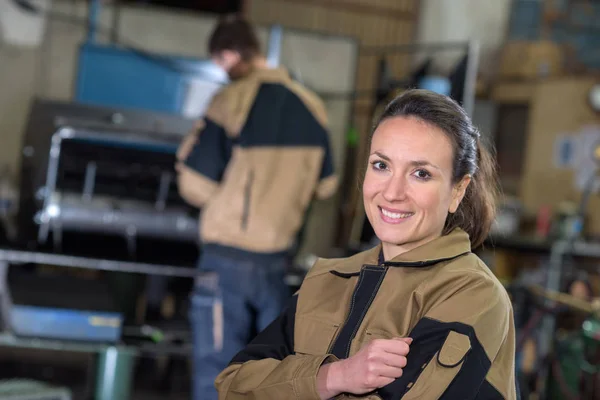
376	365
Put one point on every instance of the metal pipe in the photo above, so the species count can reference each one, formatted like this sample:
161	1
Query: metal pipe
5	299
116	22
555	271
90	181
93	15
471	77
115	371
51	177
274	46
163	190
18	257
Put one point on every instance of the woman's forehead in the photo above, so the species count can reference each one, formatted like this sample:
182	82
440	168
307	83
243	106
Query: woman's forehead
401	136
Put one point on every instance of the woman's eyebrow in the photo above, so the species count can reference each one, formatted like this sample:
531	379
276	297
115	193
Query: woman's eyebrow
381	155
423	163
414	163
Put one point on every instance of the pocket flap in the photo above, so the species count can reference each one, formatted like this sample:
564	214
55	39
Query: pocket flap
312	335
454	350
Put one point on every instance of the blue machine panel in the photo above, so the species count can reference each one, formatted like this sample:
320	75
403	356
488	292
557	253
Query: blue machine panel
116	77
64	324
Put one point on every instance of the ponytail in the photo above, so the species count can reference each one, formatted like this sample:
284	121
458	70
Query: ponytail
477	211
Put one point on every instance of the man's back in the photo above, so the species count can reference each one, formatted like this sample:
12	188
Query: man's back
262	156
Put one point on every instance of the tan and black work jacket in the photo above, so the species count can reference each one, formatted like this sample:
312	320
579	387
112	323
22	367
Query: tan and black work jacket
440	294
257	159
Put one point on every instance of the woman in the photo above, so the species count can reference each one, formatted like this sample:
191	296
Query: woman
417	317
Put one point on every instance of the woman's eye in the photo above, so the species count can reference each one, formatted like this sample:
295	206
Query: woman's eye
379	165
422	174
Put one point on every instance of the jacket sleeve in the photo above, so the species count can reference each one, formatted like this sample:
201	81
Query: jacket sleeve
328	180
201	160
268	368
461	348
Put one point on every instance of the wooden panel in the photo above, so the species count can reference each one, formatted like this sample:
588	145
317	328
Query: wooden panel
364	7
513	92
366	77
377	5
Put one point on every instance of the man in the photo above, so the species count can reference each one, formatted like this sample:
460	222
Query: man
258	158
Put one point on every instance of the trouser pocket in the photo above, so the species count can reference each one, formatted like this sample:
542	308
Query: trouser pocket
206	316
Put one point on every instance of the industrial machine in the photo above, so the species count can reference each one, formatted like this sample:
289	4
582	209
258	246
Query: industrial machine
98	170
575	364
102	167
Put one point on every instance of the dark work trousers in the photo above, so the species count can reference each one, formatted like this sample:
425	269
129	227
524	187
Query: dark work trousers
244	297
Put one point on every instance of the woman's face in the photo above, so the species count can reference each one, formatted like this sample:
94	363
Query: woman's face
408	189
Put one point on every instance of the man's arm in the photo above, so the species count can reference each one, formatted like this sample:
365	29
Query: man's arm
268	368
328	180
460	348
201	160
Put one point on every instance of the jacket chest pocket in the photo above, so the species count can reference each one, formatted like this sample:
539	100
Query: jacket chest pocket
313	336
443	368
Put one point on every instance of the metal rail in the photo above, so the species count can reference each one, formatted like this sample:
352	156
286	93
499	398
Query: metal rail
23	257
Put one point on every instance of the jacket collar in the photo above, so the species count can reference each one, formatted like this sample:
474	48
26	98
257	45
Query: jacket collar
444	248
278	74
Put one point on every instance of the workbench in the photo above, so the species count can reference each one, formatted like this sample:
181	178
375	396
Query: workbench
115	362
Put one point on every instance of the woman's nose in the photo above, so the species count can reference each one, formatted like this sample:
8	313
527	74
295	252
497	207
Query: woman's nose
395	189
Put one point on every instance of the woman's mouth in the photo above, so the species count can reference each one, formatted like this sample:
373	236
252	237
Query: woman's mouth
394	217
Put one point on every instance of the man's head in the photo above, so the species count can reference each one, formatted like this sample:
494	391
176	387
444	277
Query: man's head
234	46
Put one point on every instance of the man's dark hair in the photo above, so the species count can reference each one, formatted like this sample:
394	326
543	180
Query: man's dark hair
236	34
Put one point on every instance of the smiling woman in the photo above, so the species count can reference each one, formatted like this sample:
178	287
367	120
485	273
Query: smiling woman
417	317
428	174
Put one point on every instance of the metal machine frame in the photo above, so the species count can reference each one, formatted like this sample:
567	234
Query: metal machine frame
51	218
51	125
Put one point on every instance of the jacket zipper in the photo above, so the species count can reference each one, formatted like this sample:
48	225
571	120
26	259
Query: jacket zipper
341	327
366	308
247	193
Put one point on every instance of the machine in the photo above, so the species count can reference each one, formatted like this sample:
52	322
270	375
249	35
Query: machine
575	364
98	170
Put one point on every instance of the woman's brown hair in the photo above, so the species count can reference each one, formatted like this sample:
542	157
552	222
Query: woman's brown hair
477	211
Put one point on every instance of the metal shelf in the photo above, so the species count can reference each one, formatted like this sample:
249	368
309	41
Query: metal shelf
9	340
24	257
532	244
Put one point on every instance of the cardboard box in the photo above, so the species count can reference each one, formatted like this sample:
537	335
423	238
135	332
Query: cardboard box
531	60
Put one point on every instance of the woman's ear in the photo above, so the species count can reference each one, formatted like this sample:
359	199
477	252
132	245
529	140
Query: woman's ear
458	193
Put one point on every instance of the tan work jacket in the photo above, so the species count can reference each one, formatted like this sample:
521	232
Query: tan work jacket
440	294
